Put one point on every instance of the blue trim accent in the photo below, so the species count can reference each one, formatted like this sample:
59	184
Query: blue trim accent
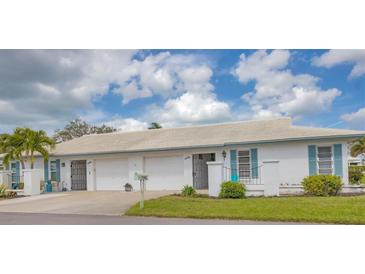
58	170
312	159
46	171
234	176
17	171
254	163
337	152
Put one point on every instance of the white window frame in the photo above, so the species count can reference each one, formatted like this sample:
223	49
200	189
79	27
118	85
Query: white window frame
50	169
249	163
332	160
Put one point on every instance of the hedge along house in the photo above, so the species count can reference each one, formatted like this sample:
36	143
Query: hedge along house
178	156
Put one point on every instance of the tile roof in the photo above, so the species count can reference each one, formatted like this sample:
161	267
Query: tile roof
256	131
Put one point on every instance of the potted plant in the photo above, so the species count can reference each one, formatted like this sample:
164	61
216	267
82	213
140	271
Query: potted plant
128	187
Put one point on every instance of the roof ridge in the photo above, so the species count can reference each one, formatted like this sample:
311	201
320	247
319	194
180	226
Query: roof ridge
324	128
195	126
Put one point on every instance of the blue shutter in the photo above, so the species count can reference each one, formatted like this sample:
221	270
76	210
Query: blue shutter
46	174
17	171
312	160
58	170
234	176
254	163
337	152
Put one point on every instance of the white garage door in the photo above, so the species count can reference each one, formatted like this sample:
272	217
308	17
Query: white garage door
111	174
165	173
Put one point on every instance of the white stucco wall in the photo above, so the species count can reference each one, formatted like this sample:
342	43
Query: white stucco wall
292	157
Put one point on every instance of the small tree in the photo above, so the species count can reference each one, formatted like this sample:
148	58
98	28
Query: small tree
142	178
24	143
78	128
154	125
358	147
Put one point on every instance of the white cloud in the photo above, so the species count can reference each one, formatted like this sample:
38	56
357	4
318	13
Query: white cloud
127	124
277	90
93	116
355	119
197	103
164	74
192	108
317	100
131	91
335	57
47	88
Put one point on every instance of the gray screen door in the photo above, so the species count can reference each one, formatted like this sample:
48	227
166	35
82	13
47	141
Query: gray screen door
200	169
78	175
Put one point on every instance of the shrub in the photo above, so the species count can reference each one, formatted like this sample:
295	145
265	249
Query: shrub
356	174
232	190
2	191
11	194
362	181
322	185
188	191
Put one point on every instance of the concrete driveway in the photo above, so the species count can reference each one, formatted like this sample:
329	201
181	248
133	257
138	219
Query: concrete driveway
78	202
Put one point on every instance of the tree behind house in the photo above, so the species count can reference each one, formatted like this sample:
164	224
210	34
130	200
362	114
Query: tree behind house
78	128
154	125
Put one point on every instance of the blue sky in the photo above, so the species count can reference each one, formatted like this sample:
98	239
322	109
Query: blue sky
130	89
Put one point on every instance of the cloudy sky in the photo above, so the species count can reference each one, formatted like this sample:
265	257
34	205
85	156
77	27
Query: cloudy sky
128	89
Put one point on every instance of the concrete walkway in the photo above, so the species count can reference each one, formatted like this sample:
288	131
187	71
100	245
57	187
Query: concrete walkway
78	202
74	219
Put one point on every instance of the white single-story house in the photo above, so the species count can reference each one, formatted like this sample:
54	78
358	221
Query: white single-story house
174	157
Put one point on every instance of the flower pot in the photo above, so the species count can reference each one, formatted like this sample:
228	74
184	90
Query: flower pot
128	188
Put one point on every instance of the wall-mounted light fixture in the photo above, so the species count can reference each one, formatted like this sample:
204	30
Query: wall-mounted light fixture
224	154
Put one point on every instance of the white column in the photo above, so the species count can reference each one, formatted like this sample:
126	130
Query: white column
270	177
215	178
4	177
90	175
188	169
32	181
65	175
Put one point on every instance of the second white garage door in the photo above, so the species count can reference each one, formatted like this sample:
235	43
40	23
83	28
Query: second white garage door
165	173
111	174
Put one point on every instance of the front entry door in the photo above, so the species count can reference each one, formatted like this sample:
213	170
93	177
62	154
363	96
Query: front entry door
200	169
78	175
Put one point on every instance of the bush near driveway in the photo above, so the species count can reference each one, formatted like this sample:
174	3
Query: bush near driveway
322	185
2	191
188	191
356	175
4	194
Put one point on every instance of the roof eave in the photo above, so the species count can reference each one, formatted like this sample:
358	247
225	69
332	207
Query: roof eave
351	136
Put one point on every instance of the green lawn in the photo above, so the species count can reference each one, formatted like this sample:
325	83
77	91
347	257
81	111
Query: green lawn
342	210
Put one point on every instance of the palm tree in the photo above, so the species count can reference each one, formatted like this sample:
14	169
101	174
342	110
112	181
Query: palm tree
12	146
24	143
358	147
3	138
37	141
155	125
